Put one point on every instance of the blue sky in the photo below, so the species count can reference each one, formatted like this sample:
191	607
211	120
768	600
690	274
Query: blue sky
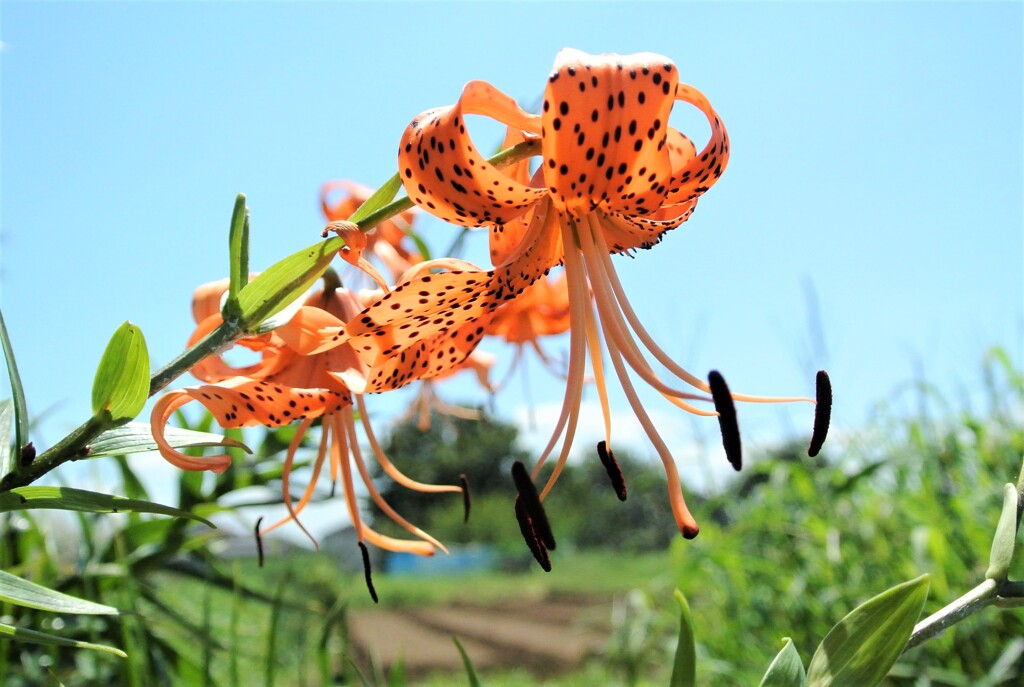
873	194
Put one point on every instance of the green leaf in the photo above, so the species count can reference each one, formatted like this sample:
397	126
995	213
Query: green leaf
68	498
7	459
467	663
122	379
1006	533
684	668
136	437
17	392
238	250
863	646
285	281
381	197
23	635
21	592
786	670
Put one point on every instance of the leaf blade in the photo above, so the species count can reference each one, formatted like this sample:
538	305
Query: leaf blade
17	390
36	637
1005	536
121	385
786	669
21	592
137	437
684	667
862	647
80	500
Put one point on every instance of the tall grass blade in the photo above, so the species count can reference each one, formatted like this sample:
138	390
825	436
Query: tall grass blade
21	592
684	668
467	663
17	391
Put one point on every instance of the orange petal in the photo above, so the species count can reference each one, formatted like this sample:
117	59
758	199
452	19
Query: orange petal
698	174
417	310
433	357
242	402
162	412
605	126
311	330
444	173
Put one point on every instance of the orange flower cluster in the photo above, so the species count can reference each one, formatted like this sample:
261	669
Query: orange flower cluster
613	178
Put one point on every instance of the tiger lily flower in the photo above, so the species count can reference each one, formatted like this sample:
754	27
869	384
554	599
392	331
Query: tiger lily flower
296	381
614	178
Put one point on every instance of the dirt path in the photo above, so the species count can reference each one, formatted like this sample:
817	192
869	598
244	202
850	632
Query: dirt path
545	636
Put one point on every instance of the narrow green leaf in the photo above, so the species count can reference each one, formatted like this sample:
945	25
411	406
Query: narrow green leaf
786	669
68	498
863	646
21	592
121	386
381	197
17	392
684	668
362	676
474	681
1004	539
285	281
23	635
7	456
238	250
136	437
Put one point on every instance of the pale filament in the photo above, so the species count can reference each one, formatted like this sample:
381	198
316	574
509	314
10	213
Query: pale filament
616	330
389	467
339	453
577	288
357	457
684	520
597	365
659	354
293	512
579	295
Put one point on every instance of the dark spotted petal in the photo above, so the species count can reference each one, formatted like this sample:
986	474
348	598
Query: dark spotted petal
444	173
699	173
604	136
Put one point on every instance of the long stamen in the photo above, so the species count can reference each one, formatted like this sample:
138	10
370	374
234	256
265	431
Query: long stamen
579	293
293	512
597	365
822	412
611	316
727	421
339	453
613	470
357	457
684	519
386	464
659	354
366	572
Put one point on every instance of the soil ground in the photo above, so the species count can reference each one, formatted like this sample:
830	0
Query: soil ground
545	636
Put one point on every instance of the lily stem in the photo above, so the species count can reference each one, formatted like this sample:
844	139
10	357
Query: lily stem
75	445
1003	593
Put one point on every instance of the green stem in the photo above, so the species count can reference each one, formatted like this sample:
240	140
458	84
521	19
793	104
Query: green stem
75	444
1004	594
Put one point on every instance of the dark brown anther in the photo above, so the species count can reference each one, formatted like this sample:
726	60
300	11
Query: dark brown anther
259	541
822	412
613	470
28	454
526	528
727	421
366	572
532	505
334	485
465	497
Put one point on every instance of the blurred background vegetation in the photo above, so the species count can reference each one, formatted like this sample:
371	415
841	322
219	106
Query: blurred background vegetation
786	549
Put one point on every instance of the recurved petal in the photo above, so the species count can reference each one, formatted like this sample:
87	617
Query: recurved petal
430	358
444	173
163	409
698	174
604	137
417	310
242	402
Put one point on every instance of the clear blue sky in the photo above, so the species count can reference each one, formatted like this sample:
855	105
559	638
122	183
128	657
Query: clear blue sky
876	164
